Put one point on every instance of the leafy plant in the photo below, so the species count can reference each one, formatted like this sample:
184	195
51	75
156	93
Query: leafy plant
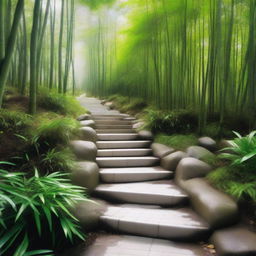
57	131
243	151
58	160
238	177
170	121
35	212
59	103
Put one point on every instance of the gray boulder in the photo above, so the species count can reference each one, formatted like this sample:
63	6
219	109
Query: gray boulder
216	207
84	150
138	125
89	212
145	135
88	134
234	241
86	174
84	117
199	152
171	161
89	123
160	150
189	168
208	143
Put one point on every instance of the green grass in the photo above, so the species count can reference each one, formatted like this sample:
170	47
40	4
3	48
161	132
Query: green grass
14	121
59	103
57	131
177	141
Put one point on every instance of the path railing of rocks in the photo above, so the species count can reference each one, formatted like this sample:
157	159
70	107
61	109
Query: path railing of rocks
152	199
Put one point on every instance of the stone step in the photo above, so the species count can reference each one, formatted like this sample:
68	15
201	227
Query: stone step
108	117
164	193
113	126
153	221
115	175
117	136
123	245
127	161
123	144
130	130
113	122
125	152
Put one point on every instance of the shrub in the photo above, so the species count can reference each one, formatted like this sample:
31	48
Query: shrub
58	160
169	122
134	106
59	103
56	131
177	141
35	213
238	177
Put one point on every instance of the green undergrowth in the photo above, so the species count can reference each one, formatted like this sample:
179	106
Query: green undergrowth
40	141
177	141
238	175
35	213
60	104
127	105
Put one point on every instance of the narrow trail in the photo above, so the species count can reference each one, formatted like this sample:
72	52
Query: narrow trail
146	210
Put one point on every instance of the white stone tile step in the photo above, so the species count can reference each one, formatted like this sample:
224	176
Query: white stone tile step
123	245
134	174
127	161
163	192
123	144
118	136
151	221
125	152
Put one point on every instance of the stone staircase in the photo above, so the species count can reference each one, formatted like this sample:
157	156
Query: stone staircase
142	199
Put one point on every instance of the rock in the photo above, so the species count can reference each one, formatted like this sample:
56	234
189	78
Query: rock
207	143
234	241
103	102
88	134
138	125
89	123
160	150
171	161
145	135
84	117
88	213
199	152
86	174
216	207
189	168
84	150
109	105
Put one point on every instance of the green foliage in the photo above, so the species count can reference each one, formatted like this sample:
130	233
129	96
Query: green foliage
58	160
243	152
59	103
95	4
177	141
135	106
14	121
57	131
238	178
179	121
35	213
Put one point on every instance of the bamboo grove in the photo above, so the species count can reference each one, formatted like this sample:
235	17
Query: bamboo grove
36	46
178	54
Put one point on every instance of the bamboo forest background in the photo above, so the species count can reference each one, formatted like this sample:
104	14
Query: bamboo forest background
185	54
36	46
